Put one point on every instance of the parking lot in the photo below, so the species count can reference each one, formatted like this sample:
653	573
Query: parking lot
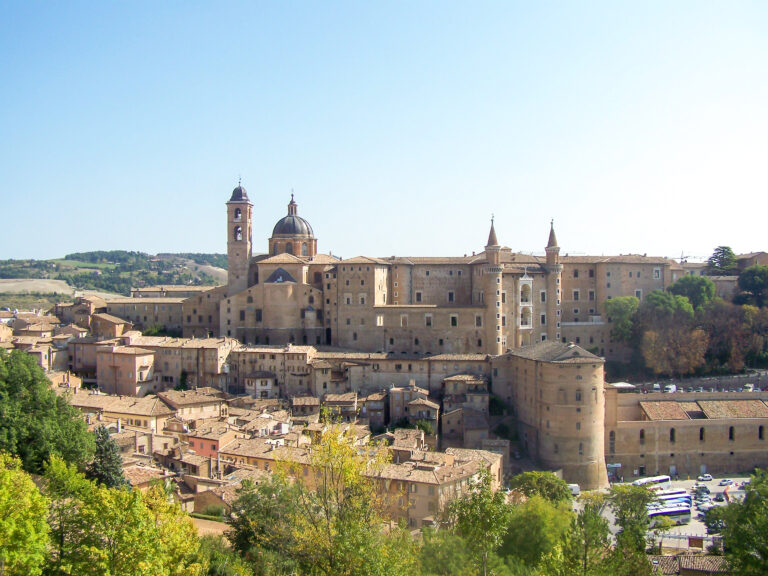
677	536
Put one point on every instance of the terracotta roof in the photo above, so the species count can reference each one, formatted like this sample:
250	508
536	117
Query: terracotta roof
109	318
346	397
138	301
734	408
179	398
305	401
468	455
140	475
428	474
707	564
146	406
284	258
424	402
664	411
551	351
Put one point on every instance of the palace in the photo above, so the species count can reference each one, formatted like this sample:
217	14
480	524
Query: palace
487	303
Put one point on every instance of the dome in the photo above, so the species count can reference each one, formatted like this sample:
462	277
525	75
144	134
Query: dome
292	224
239	195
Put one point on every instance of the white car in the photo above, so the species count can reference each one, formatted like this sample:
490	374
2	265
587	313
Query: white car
725	482
705	478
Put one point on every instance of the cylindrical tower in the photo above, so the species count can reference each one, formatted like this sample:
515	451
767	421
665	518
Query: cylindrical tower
492	285
554	280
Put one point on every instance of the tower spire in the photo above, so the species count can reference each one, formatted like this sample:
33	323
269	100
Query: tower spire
552	243
492	240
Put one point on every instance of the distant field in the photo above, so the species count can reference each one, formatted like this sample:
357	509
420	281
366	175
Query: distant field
39	285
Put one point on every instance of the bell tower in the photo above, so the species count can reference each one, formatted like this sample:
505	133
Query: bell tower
239	244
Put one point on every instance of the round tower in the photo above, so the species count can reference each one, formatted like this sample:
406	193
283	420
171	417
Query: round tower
554	276
492	275
239	242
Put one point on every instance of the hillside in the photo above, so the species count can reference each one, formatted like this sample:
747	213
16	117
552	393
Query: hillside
111	272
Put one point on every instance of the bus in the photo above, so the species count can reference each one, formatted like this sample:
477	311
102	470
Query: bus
654	482
677	514
684	498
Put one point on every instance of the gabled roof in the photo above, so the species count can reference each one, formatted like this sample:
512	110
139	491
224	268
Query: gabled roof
279	276
283	258
552	351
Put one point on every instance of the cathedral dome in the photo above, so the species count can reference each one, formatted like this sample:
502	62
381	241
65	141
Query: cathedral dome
292	224
239	195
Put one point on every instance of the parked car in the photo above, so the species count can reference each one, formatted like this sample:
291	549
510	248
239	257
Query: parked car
705	478
725	482
719	497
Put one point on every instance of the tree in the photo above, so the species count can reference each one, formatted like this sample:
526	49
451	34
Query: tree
676	350
630	505
586	547
328	520
722	262
621	312
535	528
23	526
699	290
745	531
67	489
219	559
660	310
754	282
444	553
107	465
34	422
480	517
544	484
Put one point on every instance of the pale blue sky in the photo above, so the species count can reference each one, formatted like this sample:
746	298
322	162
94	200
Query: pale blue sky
401	126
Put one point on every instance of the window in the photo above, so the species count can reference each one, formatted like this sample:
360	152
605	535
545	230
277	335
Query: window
578	395
543	295
451	296
731	433
503	297
454	320
575	273
418	296
543	319
612	442
657	273
642	436
701	434
428	320
242	315
478	321
575	294
760	431
639	294
403	320
581	449
671	434
379	320
592	295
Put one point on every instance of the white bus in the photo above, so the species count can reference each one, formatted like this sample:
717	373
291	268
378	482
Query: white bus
654	482
677	514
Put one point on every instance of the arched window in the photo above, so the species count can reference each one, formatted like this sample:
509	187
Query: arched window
238	233
289	247
731	433
642	436
701	434
304	250
671	434
238	214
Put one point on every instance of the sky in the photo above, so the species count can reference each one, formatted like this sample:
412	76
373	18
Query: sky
401	127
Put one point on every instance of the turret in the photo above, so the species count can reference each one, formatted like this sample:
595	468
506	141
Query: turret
492	289
554	274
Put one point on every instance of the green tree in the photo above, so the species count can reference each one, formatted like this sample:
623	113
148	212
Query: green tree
66	488
699	290
107	465
544	484
586	547
115	533
444	553
34	422
621	313
745	533
480	517
722	262
23	526
535	528
660	310
630	505
218	559
754	282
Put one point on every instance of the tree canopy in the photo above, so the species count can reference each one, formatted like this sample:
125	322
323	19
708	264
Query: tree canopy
544	484
722	262
107	465
754	283
34	422
699	290
621	312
